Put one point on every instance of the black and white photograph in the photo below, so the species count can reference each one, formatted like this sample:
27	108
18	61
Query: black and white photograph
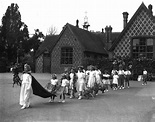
77	61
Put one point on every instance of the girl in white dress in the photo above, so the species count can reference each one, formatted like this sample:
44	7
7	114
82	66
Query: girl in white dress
73	79
80	82
54	83
92	78
64	84
106	80
26	88
98	80
115	80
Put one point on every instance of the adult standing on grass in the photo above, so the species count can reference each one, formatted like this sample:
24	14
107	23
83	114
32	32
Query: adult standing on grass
26	88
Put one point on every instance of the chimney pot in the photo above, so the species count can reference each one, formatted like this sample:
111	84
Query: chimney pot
150	9
77	23
125	17
110	29
102	30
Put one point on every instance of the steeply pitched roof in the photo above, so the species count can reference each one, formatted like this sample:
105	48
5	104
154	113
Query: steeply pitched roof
90	42
142	7
47	45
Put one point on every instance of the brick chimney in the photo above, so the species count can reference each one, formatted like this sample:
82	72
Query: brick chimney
125	19
150	9
108	32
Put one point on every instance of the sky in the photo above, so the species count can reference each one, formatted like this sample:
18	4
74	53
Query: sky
45	14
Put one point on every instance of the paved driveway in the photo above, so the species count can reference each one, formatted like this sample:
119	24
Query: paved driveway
129	105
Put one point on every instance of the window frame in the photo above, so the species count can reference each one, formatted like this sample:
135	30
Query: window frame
66	55
135	49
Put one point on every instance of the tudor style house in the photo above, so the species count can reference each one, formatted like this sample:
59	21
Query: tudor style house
74	44
138	35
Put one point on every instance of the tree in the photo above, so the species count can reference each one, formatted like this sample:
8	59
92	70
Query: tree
2	45
36	40
14	33
52	30
32	46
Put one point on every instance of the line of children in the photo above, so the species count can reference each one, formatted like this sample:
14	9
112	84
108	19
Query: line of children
92	80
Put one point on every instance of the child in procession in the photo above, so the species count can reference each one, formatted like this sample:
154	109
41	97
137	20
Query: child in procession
72	84
106	80
64	84
127	74
115	80
80	82
53	86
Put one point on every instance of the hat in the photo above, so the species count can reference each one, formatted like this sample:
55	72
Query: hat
27	68
54	76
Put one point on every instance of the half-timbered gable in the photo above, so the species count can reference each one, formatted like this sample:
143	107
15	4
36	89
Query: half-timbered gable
138	35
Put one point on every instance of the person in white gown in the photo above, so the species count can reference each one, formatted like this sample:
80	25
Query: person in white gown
26	88
92	77
80	82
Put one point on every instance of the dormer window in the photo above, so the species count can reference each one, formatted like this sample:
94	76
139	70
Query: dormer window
66	55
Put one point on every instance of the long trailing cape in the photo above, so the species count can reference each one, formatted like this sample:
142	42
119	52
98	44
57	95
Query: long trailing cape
39	90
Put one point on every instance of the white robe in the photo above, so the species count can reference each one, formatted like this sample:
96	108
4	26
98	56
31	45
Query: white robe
115	79
92	79
98	76
26	90
80	81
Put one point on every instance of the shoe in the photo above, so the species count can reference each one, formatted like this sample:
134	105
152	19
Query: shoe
80	97
71	96
23	107
28	106
153	98
63	101
142	84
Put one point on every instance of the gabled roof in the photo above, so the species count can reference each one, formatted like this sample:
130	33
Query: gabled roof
142	7
47	45
91	42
